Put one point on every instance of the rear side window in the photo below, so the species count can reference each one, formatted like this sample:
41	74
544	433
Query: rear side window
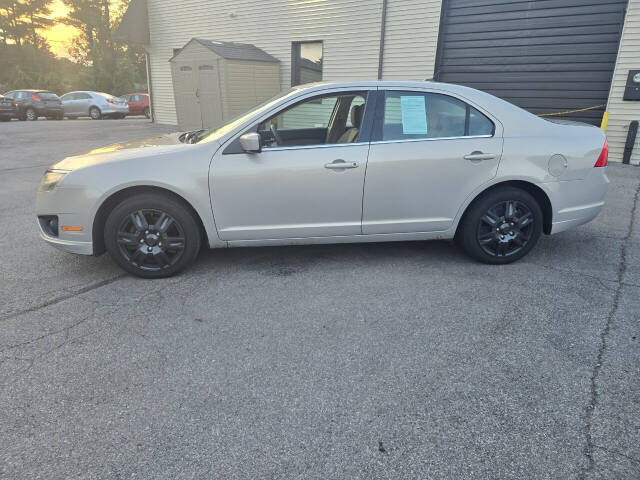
415	115
479	124
47	95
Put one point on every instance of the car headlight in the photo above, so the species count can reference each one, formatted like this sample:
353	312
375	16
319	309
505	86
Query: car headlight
51	179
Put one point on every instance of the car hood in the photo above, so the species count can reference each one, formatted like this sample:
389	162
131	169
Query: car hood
147	147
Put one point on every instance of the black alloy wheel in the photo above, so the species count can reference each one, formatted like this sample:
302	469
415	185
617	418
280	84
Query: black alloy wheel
152	235
505	228
501	226
151	240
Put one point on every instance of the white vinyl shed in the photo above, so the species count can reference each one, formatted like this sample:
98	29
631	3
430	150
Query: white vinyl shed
214	81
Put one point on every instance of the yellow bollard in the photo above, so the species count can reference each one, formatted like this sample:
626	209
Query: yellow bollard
605	120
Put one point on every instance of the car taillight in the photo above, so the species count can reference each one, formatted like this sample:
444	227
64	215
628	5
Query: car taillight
35	98
604	156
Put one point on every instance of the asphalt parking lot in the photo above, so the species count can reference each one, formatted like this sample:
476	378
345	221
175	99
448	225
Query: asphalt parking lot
402	360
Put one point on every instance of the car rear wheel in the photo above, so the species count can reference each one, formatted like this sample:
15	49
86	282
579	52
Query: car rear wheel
501	226
152	236
31	115
147	112
95	113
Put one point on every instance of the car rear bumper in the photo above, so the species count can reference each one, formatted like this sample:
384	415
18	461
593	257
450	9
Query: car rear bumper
577	202
8	112
114	109
49	110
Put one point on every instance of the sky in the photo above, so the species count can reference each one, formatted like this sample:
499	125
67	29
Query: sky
60	36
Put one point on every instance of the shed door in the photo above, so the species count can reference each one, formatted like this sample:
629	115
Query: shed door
544	56
185	84
209	95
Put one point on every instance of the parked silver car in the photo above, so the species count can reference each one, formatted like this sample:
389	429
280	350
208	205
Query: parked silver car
93	104
333	163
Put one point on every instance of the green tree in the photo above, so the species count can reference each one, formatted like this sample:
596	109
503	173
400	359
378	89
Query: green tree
113	67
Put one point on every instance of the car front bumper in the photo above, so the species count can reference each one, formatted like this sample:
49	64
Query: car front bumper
69	246
64	204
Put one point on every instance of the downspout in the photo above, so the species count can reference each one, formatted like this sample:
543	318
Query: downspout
383	26
149	84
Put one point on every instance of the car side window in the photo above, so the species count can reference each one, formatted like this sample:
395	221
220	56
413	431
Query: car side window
329	119
416	115
479	124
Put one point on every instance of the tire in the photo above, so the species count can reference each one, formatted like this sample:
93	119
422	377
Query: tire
134	236
147	112
95	113
501	226
31	115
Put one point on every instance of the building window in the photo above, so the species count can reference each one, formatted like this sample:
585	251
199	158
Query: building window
306	62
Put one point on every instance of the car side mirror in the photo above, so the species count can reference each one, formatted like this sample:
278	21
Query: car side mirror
251	142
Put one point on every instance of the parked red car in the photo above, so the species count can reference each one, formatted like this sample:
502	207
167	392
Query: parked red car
138	104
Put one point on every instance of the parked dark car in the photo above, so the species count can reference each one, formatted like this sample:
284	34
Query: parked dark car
7	109
138	104
32	104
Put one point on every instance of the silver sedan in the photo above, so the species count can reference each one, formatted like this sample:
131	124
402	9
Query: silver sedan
95	105
332	163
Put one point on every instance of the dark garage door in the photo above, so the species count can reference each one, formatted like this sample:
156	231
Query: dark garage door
544	56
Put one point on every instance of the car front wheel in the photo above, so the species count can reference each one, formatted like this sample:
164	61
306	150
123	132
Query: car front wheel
152	235
31	115
501	226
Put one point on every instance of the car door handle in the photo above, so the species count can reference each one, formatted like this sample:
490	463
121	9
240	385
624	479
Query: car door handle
477	156
340	165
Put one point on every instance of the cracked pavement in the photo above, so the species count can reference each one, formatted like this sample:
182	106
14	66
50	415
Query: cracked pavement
402	360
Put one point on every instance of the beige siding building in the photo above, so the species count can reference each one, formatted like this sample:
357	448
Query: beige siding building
547	57
621	112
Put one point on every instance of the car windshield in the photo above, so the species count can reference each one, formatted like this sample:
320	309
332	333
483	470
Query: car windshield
47	95
215	133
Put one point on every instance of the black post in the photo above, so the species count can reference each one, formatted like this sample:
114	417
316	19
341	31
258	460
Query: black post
631	140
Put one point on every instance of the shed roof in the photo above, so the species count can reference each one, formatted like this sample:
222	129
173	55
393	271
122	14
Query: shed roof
233	51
